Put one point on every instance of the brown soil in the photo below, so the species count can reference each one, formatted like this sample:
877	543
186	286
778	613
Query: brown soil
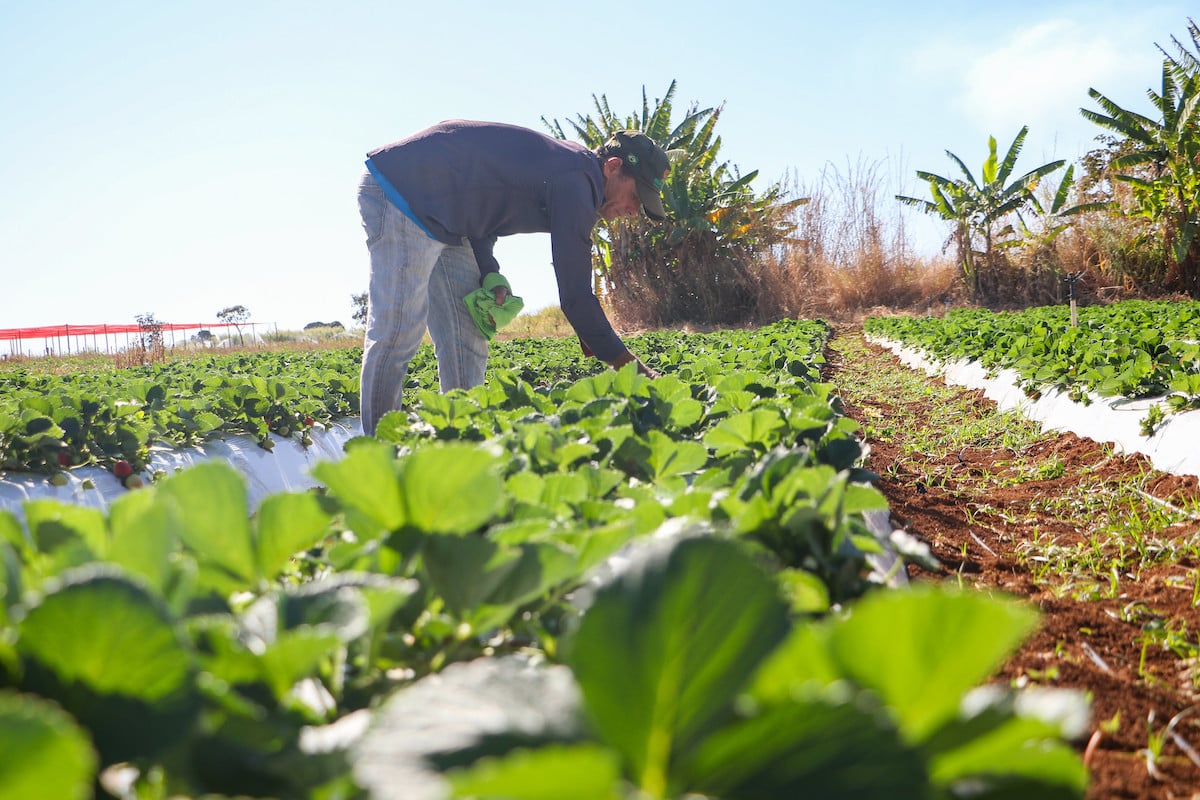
980	518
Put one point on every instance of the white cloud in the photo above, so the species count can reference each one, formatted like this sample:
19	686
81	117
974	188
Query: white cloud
1039	75
1037	72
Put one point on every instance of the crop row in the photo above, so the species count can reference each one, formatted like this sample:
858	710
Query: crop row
601	587
1127	349
51	422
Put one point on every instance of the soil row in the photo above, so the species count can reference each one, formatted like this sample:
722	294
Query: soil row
1120	616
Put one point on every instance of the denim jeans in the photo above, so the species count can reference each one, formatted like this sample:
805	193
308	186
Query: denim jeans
416	282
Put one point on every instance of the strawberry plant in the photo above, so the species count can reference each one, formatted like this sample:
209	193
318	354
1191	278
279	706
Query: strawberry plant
1127	349
669	690
528	555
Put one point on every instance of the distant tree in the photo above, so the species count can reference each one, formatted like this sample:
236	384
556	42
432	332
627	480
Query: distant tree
334	324
360	308
204	337
150	338
1161	159
235	316
983	211
700	264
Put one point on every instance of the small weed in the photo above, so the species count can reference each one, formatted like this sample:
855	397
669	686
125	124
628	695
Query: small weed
1157	738
1154	417
1049	470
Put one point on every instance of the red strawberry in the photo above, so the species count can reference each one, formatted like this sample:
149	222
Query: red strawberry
122	469
64	458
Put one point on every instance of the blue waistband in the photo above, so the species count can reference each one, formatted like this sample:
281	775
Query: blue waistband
395	197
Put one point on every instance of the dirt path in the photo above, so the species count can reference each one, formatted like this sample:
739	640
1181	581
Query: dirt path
1079	531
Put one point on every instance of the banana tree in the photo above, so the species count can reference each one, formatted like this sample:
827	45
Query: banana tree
1163	171
700	261
983	211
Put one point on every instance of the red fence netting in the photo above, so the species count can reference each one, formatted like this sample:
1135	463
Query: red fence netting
54	331
52	335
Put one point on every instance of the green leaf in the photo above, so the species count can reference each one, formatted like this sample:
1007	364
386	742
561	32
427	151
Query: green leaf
685	413
98	627
627	382
209	503
286	525
294	655
485	707
43	751
143	537
596	387
1016	746
10	531
53	524
807	593
860	498
753	430
581	772
562	490
526	487
451	488
660	655
922	649
804	657
473	572
831	746
10	593
381	595
366	480
671	457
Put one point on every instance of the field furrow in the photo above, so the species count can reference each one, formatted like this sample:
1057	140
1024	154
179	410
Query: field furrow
1107	548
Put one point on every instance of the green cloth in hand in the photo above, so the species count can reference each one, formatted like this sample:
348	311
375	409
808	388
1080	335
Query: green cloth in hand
481	304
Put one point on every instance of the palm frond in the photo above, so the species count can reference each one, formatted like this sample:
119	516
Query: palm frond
930	177
1026	181
554	128
991	165
1064	190
1127	123
659	121
962	166
1166	102
1010	158
1186	116
1156	157
1087	208
1184	60
944	205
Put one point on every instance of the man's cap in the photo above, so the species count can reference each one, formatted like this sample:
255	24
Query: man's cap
649	165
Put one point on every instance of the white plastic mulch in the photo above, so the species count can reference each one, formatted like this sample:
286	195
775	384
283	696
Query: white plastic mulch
285	468
1174	447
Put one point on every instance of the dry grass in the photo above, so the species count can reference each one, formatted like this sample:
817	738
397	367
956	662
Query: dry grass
852	253
546	323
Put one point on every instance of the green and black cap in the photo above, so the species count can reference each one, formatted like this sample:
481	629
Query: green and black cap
649	164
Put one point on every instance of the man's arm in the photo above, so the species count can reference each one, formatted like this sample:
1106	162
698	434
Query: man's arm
621	360
572	203
484	256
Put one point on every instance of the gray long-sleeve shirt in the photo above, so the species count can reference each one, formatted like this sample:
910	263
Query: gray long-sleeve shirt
481	180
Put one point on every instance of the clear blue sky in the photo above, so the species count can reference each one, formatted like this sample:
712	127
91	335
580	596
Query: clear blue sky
179	157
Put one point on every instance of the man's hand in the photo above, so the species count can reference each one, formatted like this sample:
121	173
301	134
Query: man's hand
627	357
647	371
501	294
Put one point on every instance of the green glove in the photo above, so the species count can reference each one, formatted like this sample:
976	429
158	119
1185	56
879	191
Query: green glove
481	304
